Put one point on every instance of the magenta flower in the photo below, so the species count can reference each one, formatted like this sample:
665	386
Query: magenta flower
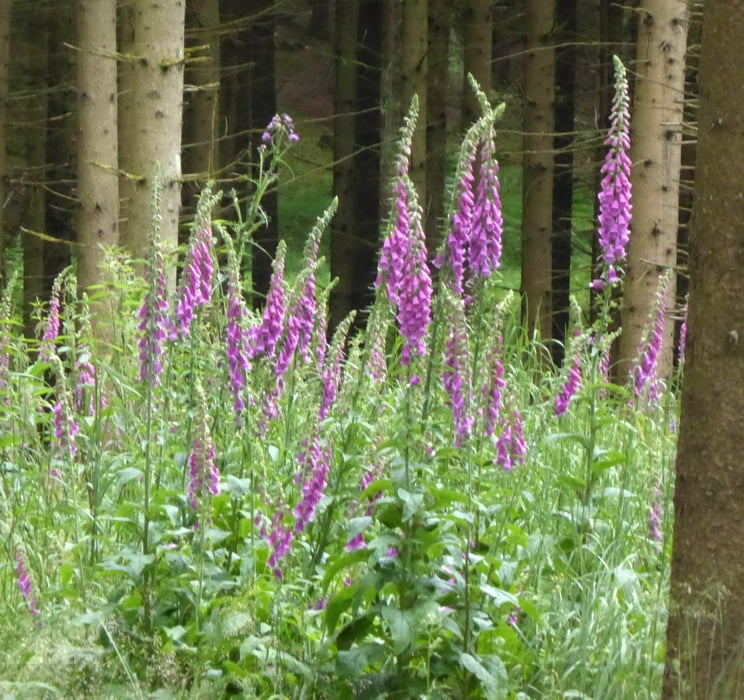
487	222
279	540
473	246
23	580
655	515
316	468
280	127
236	345
573	381
52	325
403	268
615	207
264	338
154	324
644	373
332	369
682	338
511	447
64	425
204	477
494	387
456	375
196	281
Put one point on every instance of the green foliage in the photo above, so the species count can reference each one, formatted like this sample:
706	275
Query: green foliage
427	569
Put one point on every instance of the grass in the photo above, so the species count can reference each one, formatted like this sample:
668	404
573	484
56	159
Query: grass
431	564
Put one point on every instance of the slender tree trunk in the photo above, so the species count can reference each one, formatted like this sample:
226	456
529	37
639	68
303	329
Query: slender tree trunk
440	25
150	122
320	18
537	187
656	154
477	56
201	108
563	142
61	150
342	238
97	143
705	653
32	37
5	18
413	82
261	57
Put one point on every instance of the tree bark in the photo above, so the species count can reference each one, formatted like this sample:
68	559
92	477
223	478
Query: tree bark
201	108
5	18
537	187
150	122
563	162
342	236
413	82
97	143
440	24
705	654
656	150
477	54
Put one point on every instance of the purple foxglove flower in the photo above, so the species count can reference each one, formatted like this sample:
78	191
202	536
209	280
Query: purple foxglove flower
403	267
458	239
64	425
510	445
615	194
264	338
655	515
317	466
573	381
682	338
332	370
203	474
236	345
279	540
493	389
24	583
644	373
487	222
196	281
52	326
154	324
456	375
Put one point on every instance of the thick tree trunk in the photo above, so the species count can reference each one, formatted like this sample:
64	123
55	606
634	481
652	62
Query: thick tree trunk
440	24
150	122
656	152
98	179
537	187
201	107
414	48
477	58
705	654
565	83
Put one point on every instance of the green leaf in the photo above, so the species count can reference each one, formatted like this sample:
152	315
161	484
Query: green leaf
609	459
400	629
411	503
127	474
491	683
500	597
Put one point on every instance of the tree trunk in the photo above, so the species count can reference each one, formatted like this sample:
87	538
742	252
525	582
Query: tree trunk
320	18
563	162
201	108
97	144
477	58
5	17
59	218
150	121
344	225
537	186
705	653
413	82
440	24
656	153
29	40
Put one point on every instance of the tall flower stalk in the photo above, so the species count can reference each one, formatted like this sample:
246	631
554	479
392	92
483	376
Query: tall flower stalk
203	474
403	269
615	207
